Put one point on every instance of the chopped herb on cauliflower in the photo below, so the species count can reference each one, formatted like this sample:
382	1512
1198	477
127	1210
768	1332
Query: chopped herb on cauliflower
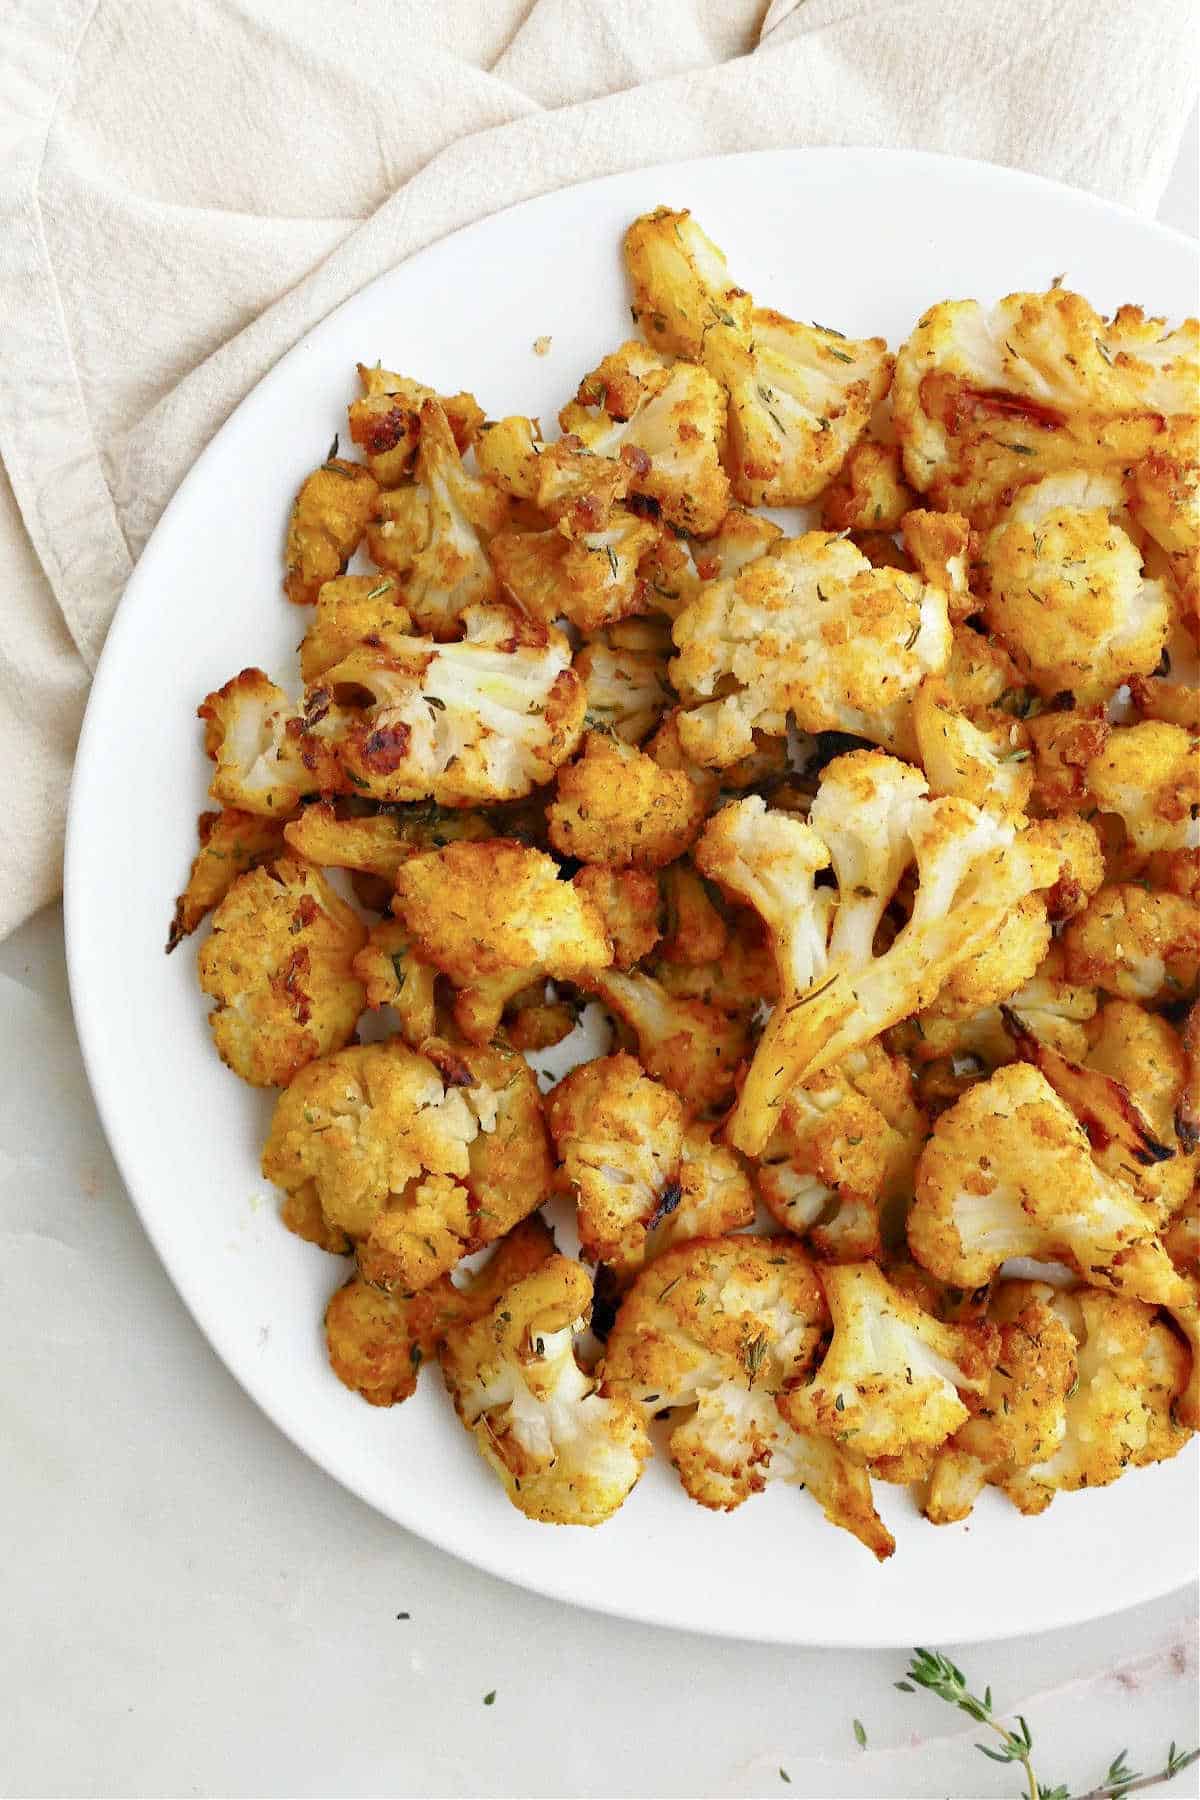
681	286
1137	944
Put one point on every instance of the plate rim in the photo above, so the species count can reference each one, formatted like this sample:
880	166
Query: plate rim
282	1414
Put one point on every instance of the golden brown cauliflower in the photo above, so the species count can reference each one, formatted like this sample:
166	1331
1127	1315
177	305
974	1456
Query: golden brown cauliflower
987	762
1009	1172
800	397
1023	1417
393	976
870	494
624	672
1163	492
485	718
627	901
1135	944
694	932
1064	587
1150	775
591	579
811	630
494	917
1049	1007
939	545
642	1179
279	964
666	422
681	286
716	1330
565	1454
231	842
616	805
267	759
377	843
351	610
692	1044
385	422
679	567
1131	1370
329	516
985	400
378	1342
892	1381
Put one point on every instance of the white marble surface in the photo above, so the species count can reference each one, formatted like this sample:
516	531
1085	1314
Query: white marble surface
190	1607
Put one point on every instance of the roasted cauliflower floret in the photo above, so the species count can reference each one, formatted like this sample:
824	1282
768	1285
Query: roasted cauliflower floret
393	976
1135	944
351	610
1003	967
377	843
667	422
566	1455
328	518
800	397
624	673
1163	492
385	422
616	805
892	1381
279	964
1131	1369
1143	1052
681	286
642	1179
810	630
1065	589
487	718
231	842
1023	1417
985	400
716	1330
987	763
679	567
591	579
1064	743
691	1044
267	760
494	917
1050	1008
1150	775
694	932
378	1341
627	901
939	545
871	493
1009	1172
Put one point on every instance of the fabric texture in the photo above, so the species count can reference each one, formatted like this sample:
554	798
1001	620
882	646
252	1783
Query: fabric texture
187	186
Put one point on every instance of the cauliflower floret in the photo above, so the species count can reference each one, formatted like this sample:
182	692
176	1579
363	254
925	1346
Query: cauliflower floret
377	1341
1082	865
811	630
1023	1419
566	1455
1163	492
351	610
740	977
987	763
487	718
939	545
393	976
267	758
892	1380
1064	587
800	397
667	422
694	932
627	901
1002	967
1009	1172
1131	1369
1135	944
494	917
870	494
679	567
847	1143
1150	775
1064	743
279	964
591	579
433	532
616	805
681	286
624	672
641	1178
870	819
386	422
720	1327
328	518
231	842
377	843
691	1044
1172	692
1048	1007
985	400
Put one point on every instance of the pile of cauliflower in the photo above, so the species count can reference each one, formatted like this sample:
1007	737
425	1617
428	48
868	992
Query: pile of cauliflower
865	848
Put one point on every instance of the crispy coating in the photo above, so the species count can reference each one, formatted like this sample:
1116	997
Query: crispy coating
1049	1007
627	901
378	843
985	401
892	1381
385	422
624	673
1150	775
681	286
1082	865
432	534
694	932
1133	943
678	568
1008	1172
591	579
378	1341
1064	588
351	610
300	1211
939	545
987	763
871	493
1002	967
566	1455
667	422
800	398
811	630
691	1044
392	976
1131	1370
328	518
486	718
279	963
266	761
616	805
740	978
1163	493
231	842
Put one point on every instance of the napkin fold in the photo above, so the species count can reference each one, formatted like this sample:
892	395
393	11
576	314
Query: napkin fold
185	189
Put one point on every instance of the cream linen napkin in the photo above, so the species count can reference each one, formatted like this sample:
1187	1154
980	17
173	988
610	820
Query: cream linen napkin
186	188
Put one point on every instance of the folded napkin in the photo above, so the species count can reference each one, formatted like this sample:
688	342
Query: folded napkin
186	188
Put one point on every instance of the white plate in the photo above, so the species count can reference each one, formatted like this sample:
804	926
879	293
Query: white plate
859	239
